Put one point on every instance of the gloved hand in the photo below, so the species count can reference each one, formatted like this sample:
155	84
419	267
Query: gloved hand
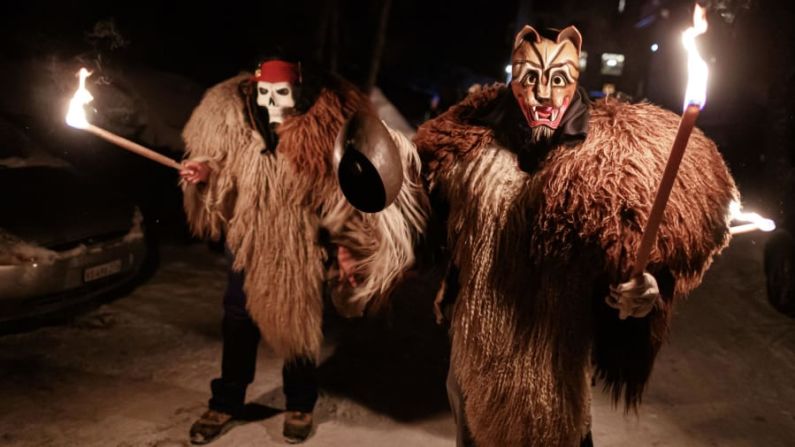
634	298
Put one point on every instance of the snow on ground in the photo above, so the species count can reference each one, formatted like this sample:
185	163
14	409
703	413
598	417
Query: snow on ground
136	372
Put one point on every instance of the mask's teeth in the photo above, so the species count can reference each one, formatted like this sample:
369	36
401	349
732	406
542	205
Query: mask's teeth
555	114
535	114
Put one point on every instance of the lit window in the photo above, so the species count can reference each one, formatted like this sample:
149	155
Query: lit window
612	64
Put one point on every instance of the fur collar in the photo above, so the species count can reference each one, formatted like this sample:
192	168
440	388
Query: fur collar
488	115
307	139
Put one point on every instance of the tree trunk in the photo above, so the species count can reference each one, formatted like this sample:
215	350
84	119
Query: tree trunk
378	44
334	36
322	34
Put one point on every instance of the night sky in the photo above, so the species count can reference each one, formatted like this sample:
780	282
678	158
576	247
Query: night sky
211	41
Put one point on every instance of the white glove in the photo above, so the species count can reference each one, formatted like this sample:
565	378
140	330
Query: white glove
634	298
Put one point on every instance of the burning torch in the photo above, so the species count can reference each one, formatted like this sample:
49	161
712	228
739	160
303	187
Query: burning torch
752	221
695	98
76	117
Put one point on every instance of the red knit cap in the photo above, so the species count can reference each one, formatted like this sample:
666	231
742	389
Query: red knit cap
277	71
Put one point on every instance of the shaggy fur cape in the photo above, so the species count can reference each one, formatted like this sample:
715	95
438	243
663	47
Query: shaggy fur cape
280	210
536	251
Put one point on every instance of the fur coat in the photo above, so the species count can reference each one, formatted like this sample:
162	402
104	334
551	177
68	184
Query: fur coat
282	210
535	252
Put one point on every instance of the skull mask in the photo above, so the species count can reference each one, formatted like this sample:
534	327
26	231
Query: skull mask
276	82
544	77
277	97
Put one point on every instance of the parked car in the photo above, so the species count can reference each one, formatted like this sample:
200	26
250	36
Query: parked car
64	242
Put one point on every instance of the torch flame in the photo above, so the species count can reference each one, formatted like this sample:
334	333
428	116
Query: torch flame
697	71
753	220
76	116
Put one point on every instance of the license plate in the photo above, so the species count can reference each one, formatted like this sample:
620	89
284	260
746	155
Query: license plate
102	270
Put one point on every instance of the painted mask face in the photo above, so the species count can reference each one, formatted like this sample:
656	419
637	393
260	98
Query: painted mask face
277	97
276	82
545	74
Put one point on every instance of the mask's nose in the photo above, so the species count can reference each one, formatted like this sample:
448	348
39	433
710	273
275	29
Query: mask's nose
543	94
544	98
271	102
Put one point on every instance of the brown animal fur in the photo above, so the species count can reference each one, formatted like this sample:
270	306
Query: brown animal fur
536	252
273	206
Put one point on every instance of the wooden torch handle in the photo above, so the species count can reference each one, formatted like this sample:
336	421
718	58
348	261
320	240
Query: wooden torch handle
133	147
664	190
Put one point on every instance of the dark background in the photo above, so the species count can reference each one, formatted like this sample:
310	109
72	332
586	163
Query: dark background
153	60
432	52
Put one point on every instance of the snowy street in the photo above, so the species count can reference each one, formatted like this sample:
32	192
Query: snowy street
136	372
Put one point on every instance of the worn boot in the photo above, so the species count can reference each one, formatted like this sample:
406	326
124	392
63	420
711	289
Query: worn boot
210	426
297	426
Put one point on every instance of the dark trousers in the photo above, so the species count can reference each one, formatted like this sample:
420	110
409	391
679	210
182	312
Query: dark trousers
241	339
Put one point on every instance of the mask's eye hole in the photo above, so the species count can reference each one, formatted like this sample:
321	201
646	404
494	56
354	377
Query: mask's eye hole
263	91
558	81
283	91
531	77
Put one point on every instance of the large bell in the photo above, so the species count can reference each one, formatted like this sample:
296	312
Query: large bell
368	163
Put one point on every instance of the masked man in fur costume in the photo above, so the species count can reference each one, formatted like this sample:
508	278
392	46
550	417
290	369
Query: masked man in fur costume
260	173
546	197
